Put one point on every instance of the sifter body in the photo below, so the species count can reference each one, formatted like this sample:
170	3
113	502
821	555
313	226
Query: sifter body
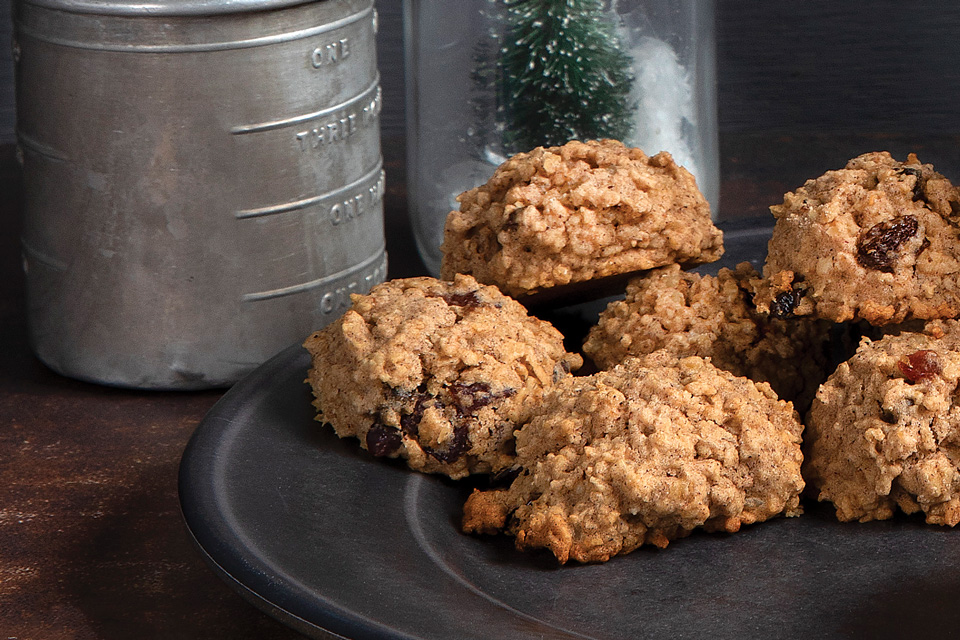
203	181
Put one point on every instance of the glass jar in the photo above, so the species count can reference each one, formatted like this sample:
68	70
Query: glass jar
503	76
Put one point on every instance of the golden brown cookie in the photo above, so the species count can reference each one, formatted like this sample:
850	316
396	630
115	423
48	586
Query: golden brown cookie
582	211
878	240
643	454
690	314
884	430
437	373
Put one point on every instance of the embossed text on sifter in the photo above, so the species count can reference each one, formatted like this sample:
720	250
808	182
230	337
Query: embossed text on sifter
203	181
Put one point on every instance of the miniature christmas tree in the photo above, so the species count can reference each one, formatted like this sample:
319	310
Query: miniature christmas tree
561	74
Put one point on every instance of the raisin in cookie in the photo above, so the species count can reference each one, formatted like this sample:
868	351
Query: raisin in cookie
582	211
884	430
691	314
437	373
645	453
875	241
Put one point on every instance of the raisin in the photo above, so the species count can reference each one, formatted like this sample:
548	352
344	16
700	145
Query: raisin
469	300
920	365
468	398
383	440
410	425
465	400
784	303
879	246
410	422
917	185
457	447
513	221
909	171
918	193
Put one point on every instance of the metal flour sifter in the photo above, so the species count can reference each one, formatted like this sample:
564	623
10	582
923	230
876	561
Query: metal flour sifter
203	181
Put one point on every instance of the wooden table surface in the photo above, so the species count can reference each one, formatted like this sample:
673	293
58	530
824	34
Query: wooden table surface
92	544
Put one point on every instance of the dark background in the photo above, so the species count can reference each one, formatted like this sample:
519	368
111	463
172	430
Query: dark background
802	87
818	66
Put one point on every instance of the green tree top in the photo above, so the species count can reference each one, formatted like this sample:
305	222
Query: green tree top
562	74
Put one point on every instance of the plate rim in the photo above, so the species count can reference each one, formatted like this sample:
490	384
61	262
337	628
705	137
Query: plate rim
220	547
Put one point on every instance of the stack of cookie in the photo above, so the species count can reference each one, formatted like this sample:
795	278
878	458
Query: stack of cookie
868	251
691	418
557	217
875	247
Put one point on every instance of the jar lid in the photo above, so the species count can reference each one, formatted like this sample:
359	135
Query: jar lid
164	7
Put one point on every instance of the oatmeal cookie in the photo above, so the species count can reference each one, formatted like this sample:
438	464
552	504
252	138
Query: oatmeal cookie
884	430
437	373
582	211
875	241
691	314
645	453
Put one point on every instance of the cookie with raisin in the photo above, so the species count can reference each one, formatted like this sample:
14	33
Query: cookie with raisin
645	453
686	313
581	212
884	431
878	240
437	373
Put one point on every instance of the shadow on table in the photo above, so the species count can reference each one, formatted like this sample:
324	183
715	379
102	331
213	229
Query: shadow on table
925	607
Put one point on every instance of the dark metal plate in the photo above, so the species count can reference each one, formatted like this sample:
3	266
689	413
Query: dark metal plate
319	534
